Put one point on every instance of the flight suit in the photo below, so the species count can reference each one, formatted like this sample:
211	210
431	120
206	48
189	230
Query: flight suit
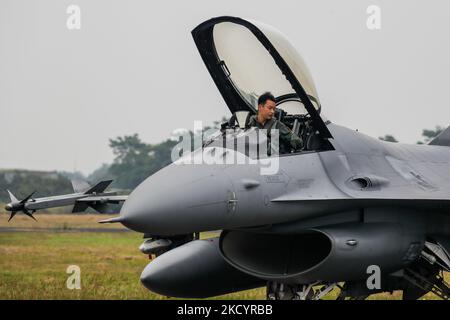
289	140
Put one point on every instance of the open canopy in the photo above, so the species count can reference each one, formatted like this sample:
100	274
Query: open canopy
247	58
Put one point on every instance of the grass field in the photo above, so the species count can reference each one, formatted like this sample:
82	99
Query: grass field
33	263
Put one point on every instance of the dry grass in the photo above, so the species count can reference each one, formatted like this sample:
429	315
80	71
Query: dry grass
59	221
33	264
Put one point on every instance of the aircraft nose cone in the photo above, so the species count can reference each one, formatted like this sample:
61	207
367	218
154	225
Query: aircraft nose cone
8	207
180	199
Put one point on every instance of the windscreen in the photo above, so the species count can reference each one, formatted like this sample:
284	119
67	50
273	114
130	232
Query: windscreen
251	68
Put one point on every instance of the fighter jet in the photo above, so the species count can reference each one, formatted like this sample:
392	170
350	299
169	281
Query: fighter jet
85	196
346	211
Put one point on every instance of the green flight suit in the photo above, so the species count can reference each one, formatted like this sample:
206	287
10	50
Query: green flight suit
289	140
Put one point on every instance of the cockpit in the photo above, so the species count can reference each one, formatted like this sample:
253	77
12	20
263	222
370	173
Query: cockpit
247	58
237	130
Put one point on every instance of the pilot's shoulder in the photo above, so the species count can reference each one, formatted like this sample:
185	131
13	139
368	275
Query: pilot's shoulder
252	120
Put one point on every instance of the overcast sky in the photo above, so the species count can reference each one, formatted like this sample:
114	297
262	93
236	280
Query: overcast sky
133	68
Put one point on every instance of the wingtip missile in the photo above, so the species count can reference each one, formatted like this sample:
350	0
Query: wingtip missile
12	197
99	187
16	206
30	214
80	186
95	197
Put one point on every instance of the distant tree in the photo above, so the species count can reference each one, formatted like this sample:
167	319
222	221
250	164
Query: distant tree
77	175
161	154
129	149
132	160
429	134
101	173
389	138
136	160
23	182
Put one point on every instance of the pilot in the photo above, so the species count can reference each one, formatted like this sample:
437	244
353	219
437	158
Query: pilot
264	119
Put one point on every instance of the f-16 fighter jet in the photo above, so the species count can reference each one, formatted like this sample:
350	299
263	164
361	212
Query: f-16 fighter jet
344	211
85	196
